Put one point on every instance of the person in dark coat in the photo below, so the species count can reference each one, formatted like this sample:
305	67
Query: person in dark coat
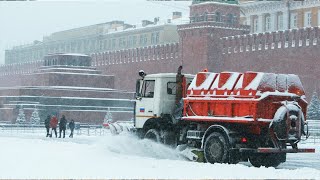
53	125
71	126
47	125
62	126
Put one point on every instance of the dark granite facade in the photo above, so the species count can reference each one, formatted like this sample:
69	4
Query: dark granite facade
66	85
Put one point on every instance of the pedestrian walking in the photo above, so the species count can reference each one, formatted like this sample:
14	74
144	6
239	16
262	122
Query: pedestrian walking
47	125
53	125
71	126
62	126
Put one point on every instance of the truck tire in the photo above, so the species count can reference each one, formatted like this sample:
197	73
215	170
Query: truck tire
267	160
169	138
216	148
153	135
279	121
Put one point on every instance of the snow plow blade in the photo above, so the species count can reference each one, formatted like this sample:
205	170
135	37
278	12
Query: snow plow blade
191	154
277	150
121	126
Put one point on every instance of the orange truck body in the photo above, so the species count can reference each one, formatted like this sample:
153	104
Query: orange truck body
250	98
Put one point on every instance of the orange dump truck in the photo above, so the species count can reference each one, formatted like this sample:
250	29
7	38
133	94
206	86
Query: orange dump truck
224	117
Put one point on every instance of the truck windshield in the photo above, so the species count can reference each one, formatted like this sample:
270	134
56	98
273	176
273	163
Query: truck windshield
148	88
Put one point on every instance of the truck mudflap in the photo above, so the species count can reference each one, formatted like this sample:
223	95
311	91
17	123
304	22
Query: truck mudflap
277	150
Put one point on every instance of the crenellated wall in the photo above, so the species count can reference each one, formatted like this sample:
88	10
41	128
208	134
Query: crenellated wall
20	68
294	51
295	38
150	53
125	64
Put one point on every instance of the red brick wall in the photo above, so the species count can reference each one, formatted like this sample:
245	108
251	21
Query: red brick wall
204	45
212	8
126	64
274	52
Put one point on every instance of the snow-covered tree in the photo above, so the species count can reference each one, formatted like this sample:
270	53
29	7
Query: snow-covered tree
35	119
314	107
21	119
107	117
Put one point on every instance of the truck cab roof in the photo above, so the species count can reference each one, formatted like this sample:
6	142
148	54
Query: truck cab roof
167	75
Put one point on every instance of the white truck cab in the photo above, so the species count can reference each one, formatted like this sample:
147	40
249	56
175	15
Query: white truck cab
155	96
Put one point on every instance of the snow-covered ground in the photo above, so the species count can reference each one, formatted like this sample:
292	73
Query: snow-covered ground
31	155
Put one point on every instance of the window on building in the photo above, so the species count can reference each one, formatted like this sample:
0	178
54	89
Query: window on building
109	44
318	17
122	42
101	45
201	18
192	19
113	43
268	23
294	21
134	40
143	39
255	25
307	19
129	41
105	44
155	38
218	17
205	16
230	19
196	18
280	22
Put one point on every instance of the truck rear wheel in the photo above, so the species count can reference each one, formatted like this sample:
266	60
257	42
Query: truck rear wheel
216	148
153	135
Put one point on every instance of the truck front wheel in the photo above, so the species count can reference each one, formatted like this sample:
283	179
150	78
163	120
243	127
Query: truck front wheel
153	135
216	148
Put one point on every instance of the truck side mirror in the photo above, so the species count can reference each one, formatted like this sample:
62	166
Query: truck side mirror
169	91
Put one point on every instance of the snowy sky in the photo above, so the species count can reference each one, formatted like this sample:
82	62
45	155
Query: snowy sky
23	22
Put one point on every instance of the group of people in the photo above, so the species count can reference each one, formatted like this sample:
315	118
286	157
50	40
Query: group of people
52	123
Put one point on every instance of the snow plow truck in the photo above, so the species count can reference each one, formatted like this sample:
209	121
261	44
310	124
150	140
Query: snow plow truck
224	117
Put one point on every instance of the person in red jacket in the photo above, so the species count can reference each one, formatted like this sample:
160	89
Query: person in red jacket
53	125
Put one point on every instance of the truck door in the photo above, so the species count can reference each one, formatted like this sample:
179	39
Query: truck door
145	103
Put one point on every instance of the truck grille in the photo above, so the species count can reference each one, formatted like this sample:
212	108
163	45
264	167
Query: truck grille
193	134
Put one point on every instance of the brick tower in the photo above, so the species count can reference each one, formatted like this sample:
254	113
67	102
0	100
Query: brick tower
200	41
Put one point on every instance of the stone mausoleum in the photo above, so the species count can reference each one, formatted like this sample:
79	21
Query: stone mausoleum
67	85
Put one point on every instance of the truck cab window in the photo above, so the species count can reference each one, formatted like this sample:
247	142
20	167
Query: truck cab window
148	89
171	88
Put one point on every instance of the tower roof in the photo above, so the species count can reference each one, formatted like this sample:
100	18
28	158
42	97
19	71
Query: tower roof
220	1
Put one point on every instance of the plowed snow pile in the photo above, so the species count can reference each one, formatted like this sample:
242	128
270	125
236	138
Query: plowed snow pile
126	144
34	156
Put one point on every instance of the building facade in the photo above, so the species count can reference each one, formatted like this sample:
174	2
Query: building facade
110	36
268	16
